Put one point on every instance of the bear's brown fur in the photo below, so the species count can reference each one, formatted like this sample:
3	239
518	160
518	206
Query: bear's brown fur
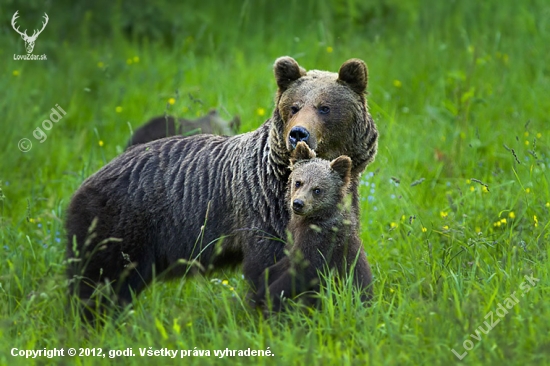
166	126
213	200
323	230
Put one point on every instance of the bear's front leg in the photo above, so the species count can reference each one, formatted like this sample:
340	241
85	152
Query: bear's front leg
286	280
362	275
283	287
257	257
268	276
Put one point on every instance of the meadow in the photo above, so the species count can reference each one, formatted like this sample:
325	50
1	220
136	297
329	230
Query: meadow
455	210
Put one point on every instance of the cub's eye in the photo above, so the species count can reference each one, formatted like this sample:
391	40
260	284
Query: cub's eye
317	191
297	184
324	110
294	109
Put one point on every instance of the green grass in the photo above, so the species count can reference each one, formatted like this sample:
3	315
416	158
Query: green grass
454	88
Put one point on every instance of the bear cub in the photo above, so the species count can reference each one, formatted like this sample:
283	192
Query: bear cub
166	126
323	229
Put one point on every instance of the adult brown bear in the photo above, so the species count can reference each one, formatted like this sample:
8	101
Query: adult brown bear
213	200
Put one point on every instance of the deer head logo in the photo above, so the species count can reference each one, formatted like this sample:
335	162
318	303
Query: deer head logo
29	41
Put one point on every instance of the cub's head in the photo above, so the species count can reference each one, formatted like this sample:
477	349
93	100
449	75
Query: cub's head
326	110
316	186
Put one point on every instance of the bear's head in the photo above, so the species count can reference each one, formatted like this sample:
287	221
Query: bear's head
327	111
317	186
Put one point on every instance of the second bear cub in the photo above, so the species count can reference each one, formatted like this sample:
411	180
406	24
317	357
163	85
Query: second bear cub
323	228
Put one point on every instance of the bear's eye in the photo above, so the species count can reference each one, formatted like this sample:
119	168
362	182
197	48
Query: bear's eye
324	109
294	109
298	184
317	191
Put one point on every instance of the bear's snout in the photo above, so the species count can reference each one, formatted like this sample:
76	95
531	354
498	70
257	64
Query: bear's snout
297	206
298	134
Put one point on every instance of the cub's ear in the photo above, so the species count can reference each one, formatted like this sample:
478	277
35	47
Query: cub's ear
301	152
355	74
286	71
342	166
235	124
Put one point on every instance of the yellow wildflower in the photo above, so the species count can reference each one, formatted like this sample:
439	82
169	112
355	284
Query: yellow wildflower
512	215
100	143
329	49
260	111
171	101
397	83
118	109
15	73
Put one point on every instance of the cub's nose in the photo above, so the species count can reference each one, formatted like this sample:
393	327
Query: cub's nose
298	134
297	205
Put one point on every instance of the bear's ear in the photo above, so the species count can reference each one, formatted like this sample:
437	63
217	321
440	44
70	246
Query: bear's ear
301	152
354	73
286	71
342	166
235	124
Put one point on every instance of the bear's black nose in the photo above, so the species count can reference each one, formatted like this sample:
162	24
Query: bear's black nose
297	205
298	134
